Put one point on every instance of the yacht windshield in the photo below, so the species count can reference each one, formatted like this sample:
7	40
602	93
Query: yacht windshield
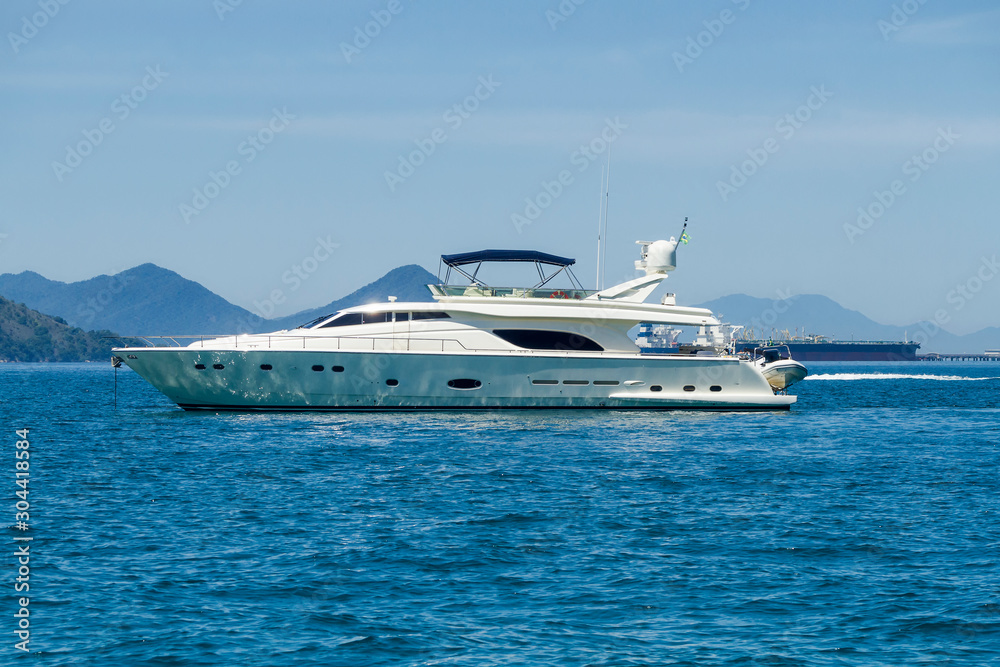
311	323
344	320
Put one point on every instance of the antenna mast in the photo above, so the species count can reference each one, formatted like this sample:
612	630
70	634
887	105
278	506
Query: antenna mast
600	214
607	193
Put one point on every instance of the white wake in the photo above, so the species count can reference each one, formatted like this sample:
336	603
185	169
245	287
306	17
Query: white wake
894	376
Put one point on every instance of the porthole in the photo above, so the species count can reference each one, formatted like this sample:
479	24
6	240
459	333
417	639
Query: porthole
656	387
580	382
337	369
605	383
545	382
317	367
218	367
266	367
464	383
200	367
689	387
715	387
392	383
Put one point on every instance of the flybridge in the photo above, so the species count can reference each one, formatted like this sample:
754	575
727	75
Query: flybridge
506	256
658	258
477	258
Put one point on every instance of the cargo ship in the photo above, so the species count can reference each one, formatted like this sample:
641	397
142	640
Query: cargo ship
663	339
818	348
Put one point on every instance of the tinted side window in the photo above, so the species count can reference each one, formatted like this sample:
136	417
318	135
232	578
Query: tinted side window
534	339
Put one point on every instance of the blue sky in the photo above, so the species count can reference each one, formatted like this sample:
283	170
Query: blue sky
233	146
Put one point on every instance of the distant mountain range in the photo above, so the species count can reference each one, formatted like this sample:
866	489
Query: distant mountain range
815	314
145	299
149	299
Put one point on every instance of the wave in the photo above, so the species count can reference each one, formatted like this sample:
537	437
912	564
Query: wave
895	376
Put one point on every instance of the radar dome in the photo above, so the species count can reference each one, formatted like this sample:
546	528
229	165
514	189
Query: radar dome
658	256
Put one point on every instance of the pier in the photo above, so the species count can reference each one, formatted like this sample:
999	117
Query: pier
980	356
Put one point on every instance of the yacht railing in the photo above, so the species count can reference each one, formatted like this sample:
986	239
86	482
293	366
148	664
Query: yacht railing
251	342
510	292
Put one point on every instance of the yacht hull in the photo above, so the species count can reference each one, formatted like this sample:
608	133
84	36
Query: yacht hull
220	379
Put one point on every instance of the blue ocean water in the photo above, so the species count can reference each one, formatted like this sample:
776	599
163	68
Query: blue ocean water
859	528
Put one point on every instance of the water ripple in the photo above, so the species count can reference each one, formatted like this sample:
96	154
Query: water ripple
859	528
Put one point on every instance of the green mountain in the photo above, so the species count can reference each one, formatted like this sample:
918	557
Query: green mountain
27	335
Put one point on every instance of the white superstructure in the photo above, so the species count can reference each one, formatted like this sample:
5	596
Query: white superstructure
474	347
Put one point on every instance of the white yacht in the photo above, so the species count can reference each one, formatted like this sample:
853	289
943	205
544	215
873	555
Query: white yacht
473	347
